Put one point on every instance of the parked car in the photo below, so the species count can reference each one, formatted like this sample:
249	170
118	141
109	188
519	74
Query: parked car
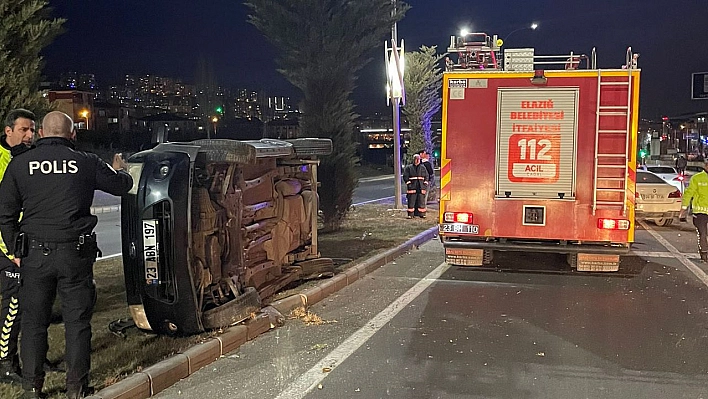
688	174
657	200
692	170
668	174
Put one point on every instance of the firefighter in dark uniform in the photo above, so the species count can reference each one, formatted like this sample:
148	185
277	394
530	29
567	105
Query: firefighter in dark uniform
53	186
416	177
18	135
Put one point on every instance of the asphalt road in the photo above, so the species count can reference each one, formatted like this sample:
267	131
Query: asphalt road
373	188
417	328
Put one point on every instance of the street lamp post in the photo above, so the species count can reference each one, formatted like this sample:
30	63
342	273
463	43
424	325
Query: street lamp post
396	94
214	120
85	114
533	26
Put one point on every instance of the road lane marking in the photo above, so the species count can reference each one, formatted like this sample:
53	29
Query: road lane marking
109	256
697	271
376	178
659	254
311	378
373	200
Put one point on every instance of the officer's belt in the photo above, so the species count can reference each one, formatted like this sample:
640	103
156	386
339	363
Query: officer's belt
35	243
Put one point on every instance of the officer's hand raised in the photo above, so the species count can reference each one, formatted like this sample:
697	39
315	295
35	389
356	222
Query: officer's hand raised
118	162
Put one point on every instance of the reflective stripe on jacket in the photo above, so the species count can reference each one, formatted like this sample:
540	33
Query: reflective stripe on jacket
416	178
5	158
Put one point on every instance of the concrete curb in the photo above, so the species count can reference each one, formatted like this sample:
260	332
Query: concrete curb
150	381
105	209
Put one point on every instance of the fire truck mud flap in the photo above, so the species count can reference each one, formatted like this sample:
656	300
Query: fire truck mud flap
584	258
584	262
468	256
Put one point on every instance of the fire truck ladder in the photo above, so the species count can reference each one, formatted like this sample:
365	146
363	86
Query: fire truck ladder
608	160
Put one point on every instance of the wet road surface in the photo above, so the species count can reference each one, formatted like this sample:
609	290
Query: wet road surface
417	328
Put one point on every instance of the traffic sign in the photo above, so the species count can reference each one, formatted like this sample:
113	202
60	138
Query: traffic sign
699	90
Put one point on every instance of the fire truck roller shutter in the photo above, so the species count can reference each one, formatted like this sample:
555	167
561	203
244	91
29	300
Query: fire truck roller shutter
536	142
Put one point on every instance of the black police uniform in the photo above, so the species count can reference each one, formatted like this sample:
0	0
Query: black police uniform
53	186
9	306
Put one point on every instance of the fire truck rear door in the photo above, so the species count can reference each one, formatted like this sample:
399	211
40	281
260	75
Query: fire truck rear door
536	142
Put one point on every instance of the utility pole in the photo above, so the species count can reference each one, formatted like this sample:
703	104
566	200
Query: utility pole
396	123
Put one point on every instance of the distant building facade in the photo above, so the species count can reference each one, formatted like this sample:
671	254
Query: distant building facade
77	104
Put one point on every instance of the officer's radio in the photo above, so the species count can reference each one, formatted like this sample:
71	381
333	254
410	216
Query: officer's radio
21	245
88	246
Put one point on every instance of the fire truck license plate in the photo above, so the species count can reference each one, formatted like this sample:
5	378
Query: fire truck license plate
150	254
460	228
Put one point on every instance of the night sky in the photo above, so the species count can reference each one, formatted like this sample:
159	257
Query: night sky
111	38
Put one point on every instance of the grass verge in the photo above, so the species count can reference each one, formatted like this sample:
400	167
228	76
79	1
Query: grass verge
368	230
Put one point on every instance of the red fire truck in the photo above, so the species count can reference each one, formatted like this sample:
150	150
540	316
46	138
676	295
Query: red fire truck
538	155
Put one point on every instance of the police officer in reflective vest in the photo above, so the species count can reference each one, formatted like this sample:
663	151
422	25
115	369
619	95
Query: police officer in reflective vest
416	177
53	185
18	135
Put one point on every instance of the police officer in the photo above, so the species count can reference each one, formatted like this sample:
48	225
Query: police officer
18	134
696	196
53	185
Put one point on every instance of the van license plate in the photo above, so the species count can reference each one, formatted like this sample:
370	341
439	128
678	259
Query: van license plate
460	228
150	253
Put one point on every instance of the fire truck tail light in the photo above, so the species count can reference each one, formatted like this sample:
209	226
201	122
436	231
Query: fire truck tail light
458	217
613	224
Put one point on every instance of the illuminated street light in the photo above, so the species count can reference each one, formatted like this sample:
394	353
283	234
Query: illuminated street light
396	95
214	120
85	114
533	26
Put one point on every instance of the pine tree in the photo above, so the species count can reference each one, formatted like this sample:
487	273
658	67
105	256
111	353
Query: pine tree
322	45
25	29
422	77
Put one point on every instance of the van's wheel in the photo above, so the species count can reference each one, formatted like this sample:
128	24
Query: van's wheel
487	257
311	146
234	311
225	150
664	221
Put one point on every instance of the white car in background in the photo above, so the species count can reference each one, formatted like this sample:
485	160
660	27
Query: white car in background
668	174
657	200
692	170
